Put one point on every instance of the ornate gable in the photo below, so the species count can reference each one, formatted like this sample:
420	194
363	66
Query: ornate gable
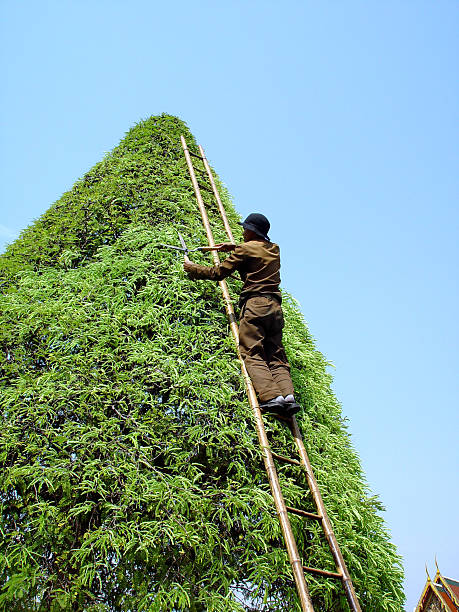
439	595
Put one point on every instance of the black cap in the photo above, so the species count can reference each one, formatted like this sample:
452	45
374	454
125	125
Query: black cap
258	223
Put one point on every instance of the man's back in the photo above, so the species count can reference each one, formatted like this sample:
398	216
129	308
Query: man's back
259	267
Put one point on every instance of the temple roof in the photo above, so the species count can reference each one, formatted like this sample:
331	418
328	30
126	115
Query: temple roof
442	589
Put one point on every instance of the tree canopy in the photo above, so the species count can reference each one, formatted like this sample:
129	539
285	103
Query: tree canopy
131	476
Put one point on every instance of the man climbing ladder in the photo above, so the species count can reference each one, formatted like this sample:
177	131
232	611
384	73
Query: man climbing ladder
257	260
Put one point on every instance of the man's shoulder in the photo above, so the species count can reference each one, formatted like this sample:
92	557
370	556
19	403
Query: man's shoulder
261	247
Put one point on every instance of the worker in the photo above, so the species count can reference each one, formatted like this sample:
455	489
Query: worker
257	260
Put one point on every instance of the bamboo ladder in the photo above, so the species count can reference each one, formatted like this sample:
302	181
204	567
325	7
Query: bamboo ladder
268	455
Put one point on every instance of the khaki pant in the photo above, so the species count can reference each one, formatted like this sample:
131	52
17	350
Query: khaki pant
260	344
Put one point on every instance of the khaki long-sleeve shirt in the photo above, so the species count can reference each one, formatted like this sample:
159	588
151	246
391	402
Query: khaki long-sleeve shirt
258	263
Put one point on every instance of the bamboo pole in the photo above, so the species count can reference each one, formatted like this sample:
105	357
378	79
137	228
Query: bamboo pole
326	524
295	561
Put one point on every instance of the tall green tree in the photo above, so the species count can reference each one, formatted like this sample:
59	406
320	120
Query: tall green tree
131	477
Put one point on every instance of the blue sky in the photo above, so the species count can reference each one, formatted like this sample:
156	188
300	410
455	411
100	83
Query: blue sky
338	120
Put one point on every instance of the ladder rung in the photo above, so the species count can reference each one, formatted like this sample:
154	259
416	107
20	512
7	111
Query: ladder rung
314	570
310	515
194	154
286	459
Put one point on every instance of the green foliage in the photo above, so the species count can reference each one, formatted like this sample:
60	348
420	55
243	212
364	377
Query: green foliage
131	476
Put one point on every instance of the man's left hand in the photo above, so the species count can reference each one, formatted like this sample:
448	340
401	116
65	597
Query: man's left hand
225	247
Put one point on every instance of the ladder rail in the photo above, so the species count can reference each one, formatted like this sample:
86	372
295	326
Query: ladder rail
294	557
312	483
326	523
217	195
